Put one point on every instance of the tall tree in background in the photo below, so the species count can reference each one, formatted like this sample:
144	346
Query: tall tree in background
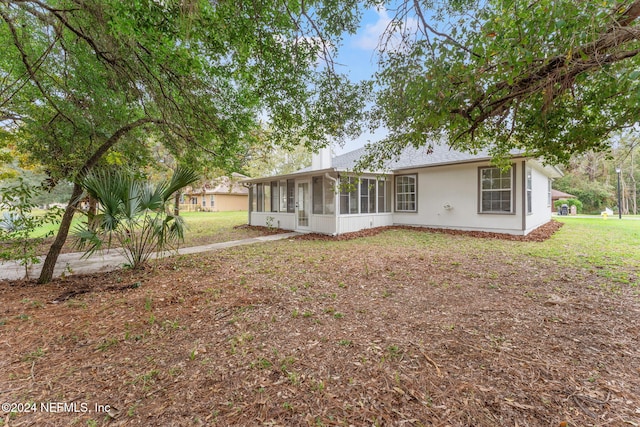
592	176
84	79
550	77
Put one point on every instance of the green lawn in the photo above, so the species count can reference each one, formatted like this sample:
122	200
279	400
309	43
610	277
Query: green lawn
610	249
594	241
200	223
601	244
203	228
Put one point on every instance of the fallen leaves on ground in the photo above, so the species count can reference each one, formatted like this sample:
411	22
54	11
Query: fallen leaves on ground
401	328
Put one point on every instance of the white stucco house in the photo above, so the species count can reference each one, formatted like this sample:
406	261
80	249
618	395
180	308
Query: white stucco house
443	188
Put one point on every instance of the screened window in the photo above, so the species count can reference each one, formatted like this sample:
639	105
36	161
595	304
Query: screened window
212	199
267	197
329	197
384	195
348	195
274	196
367	195
406	195
496	190
291	196
283	196
323	196
259	198
549	192
318	197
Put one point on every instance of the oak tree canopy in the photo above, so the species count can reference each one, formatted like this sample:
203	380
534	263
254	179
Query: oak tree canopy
548	77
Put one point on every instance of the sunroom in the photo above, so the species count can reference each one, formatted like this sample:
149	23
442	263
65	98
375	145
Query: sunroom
324	201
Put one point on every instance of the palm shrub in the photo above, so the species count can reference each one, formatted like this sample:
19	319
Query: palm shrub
133	213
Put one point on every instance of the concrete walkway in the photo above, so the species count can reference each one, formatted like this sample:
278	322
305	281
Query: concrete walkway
72	263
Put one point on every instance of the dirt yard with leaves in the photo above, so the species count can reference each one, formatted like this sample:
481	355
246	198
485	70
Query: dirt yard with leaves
400	328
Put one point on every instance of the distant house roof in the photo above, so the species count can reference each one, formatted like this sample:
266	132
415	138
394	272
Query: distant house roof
222	185
557	195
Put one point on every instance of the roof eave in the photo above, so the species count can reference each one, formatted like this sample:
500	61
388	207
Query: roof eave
289	176
452	162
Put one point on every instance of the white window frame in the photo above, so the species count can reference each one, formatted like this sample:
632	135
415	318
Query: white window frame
405	187
511	173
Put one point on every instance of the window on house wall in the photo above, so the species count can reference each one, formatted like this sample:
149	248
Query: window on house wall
204	201
275	203
254	198
384	195
496	190
353	197
194	200
259	198
212	201
329	196
291	196
549	192
368	195
348	195
406	194
267	197
283	196
318	196
529	192
364	196
382	206
372	195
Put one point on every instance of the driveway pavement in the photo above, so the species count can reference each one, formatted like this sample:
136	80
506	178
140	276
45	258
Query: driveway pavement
73	263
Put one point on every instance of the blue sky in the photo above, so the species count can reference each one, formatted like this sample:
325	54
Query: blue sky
357	58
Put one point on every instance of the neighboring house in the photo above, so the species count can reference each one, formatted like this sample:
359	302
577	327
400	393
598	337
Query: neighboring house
442	189
218	195
559	195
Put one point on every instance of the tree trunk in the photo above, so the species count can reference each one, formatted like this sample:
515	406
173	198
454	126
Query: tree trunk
634	193
91	214
54	251
176	203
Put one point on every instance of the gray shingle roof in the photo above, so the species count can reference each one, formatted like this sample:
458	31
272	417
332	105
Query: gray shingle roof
412	157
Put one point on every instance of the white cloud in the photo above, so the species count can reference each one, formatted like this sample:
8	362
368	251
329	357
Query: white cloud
384	32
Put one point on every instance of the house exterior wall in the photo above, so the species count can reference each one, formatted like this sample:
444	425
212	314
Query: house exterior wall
230	202
356	222
325	224
448	197
283	220
541	212
222	203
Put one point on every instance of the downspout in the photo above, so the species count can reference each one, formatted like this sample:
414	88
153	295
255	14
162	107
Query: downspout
336	201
